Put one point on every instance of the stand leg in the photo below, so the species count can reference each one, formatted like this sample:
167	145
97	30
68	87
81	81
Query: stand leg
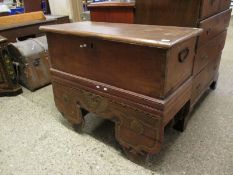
214	84
181	118
134	156
79	126
138	139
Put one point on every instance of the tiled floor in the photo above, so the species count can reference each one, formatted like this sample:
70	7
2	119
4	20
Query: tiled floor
36	140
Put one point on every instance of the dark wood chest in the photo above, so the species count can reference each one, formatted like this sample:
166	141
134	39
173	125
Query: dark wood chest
139	76
8	78
155	72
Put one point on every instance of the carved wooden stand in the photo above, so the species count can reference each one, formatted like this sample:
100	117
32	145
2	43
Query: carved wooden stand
139	121
137	131
139	128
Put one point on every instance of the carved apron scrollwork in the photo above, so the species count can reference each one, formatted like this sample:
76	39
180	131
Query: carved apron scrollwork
135	129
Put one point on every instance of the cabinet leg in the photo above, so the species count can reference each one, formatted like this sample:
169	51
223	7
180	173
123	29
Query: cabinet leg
81	114
181	118
213	86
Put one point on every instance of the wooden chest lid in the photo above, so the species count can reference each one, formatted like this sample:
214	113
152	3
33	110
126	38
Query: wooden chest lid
148	35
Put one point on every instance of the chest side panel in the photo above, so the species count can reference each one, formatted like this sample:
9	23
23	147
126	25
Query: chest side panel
131	67
168	12
179	65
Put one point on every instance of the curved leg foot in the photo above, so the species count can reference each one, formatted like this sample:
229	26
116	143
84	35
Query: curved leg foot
137	139
78	127
213	86
134	156
79	124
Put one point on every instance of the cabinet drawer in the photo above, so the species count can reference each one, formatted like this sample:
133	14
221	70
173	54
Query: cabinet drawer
212	7
209	52
209	8
224	4
151	71
204	78
213	26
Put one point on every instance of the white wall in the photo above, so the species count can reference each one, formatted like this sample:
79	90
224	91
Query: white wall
73	8
59	7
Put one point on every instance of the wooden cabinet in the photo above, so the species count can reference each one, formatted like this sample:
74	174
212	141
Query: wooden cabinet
139	76
8	78
32	6
119	12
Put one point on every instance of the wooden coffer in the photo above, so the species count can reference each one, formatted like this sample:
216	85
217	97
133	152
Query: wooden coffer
139	76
